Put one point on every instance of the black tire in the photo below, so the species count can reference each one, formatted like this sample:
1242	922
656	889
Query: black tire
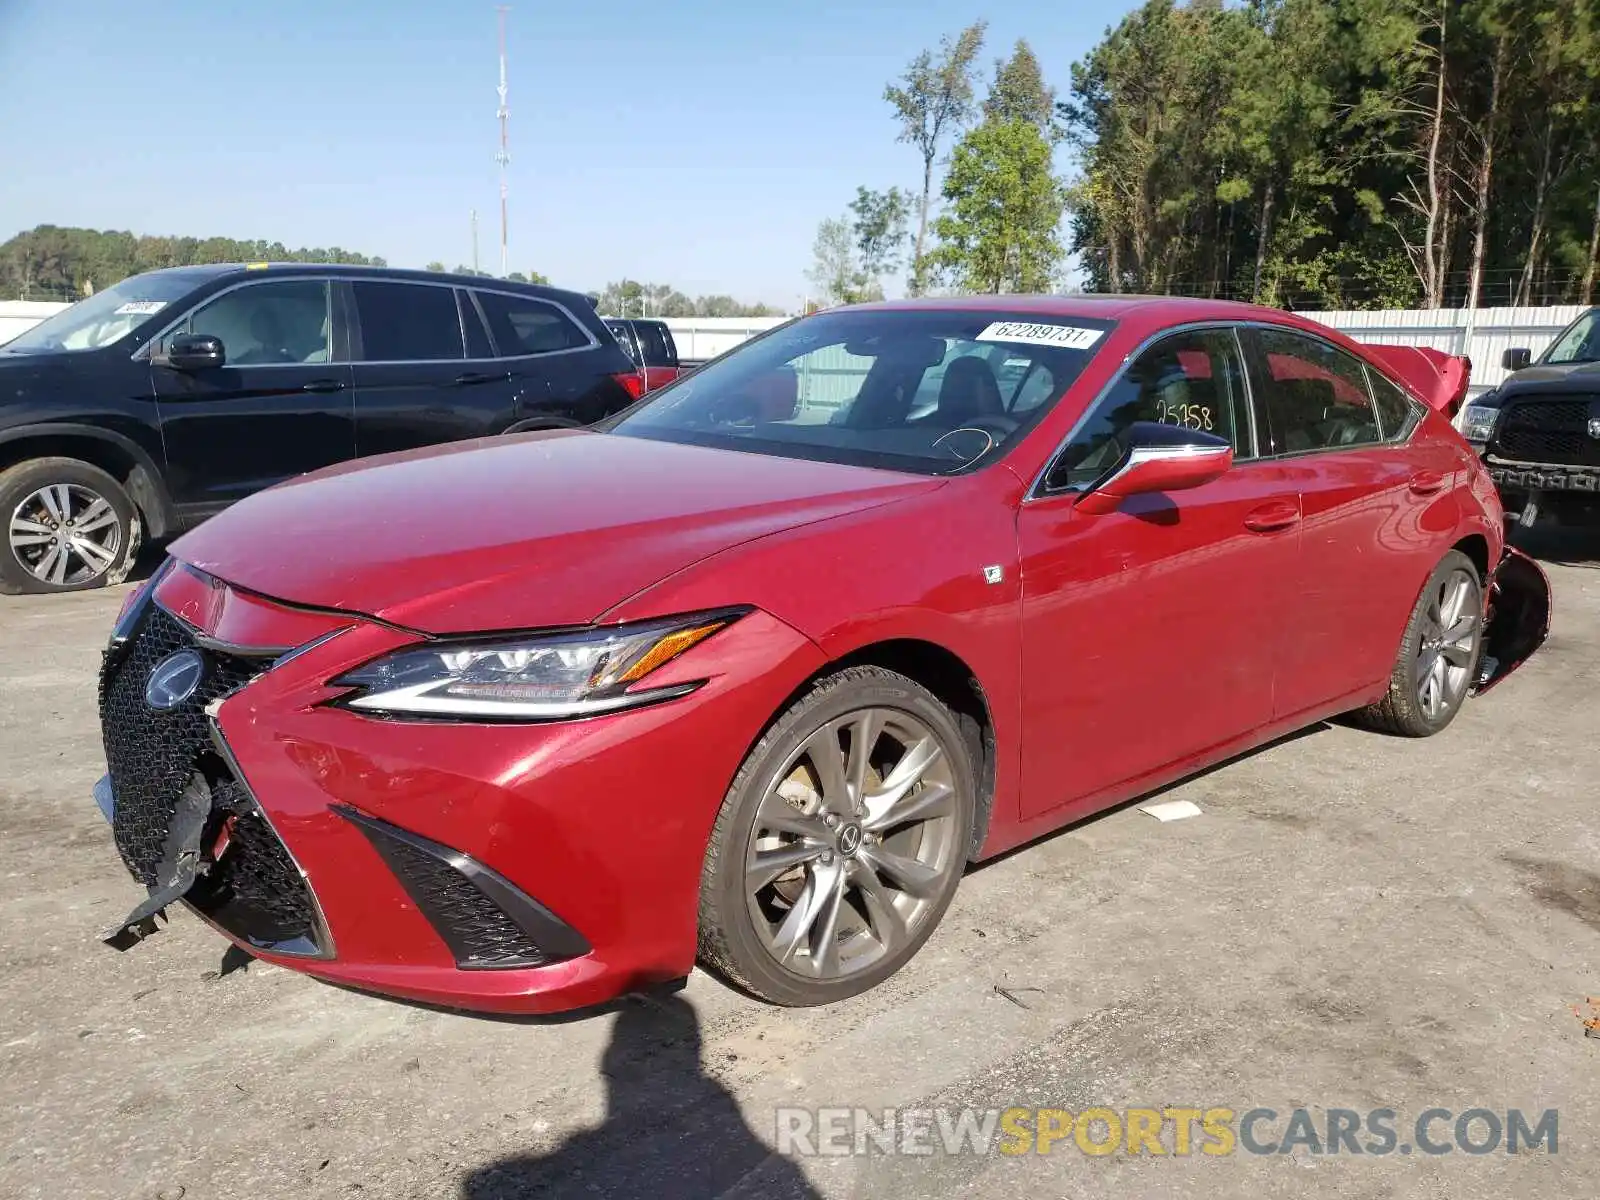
1403	711
729	944
21	483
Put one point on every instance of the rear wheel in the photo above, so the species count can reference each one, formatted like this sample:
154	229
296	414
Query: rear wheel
1438	654
840	843
68	526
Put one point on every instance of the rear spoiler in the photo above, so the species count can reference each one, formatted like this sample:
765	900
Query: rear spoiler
1440	379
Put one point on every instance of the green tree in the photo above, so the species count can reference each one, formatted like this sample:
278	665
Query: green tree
834	269
435	266
878	224
1019	91
1003	207
932	101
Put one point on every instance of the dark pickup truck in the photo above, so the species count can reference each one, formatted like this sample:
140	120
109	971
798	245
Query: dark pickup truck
1539	431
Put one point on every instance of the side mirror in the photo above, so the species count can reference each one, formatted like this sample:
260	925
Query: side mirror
1516	358
1160	458
194	352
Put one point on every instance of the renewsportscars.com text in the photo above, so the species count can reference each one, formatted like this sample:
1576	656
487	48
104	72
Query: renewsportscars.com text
1171	1130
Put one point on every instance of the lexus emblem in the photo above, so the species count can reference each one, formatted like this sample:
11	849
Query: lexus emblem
174	679
1594	427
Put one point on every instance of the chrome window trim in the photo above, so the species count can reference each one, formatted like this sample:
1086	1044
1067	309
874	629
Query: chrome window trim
1038	490
350	361
326	280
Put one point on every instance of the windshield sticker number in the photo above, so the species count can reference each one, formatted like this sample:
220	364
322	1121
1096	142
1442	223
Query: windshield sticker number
1066	337
141	308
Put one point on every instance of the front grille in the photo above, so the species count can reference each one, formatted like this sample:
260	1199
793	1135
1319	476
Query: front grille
1548	431
255	891
152	753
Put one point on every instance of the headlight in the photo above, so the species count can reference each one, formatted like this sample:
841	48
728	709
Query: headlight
532	676
1477	422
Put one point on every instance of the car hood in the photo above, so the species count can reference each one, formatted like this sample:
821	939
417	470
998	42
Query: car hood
1584	374
517	532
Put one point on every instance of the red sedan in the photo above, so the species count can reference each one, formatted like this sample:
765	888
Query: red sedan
752	673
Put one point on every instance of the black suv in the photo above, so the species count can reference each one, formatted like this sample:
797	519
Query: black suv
152	405
1539	431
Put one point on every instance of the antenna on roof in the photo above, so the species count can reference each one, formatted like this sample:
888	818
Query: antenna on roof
503	157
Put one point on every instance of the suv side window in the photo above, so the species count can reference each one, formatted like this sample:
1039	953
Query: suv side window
407	322
522	325
284	321
1315	394
1193	379
1398	413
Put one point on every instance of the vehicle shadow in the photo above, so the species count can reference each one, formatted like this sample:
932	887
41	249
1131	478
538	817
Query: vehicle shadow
670	1129
1563	546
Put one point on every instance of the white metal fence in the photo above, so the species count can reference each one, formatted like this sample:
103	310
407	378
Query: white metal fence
1482	335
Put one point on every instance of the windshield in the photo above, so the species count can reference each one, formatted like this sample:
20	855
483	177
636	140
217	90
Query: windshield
1580	342
928	391
106	316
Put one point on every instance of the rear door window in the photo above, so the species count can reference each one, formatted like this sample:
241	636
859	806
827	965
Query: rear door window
1315	394
407	322
522	325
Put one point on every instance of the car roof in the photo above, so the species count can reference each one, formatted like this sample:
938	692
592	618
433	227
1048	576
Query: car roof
214	271
1105	306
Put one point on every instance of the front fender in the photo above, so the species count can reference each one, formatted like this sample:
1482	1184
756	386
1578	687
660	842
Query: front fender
1518	617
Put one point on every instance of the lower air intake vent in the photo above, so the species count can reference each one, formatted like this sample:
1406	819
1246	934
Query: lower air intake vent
484	918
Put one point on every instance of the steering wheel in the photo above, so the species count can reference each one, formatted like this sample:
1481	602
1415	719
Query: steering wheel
972	431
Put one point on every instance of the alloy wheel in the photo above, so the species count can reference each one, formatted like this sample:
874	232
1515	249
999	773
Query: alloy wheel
65	534
1446	653
855	841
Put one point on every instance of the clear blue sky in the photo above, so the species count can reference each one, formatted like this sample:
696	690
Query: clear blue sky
692	142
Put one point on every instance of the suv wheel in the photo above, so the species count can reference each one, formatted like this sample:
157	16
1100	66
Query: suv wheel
68	526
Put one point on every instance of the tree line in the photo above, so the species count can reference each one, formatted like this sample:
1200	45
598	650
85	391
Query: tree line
1310	153
53	262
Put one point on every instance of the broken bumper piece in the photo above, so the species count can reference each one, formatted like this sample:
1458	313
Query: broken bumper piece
1518	617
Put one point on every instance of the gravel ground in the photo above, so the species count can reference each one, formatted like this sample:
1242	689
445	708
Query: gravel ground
1355	922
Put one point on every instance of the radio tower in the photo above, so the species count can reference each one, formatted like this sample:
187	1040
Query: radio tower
504	155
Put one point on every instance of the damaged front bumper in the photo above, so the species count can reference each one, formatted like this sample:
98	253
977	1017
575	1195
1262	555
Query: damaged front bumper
1517	616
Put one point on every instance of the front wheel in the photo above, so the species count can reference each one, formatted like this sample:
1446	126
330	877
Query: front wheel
840	843
68	526
1438	654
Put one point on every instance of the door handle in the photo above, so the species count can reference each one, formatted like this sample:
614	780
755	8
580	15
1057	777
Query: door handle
1426	483
323	385
476	377
1278	514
